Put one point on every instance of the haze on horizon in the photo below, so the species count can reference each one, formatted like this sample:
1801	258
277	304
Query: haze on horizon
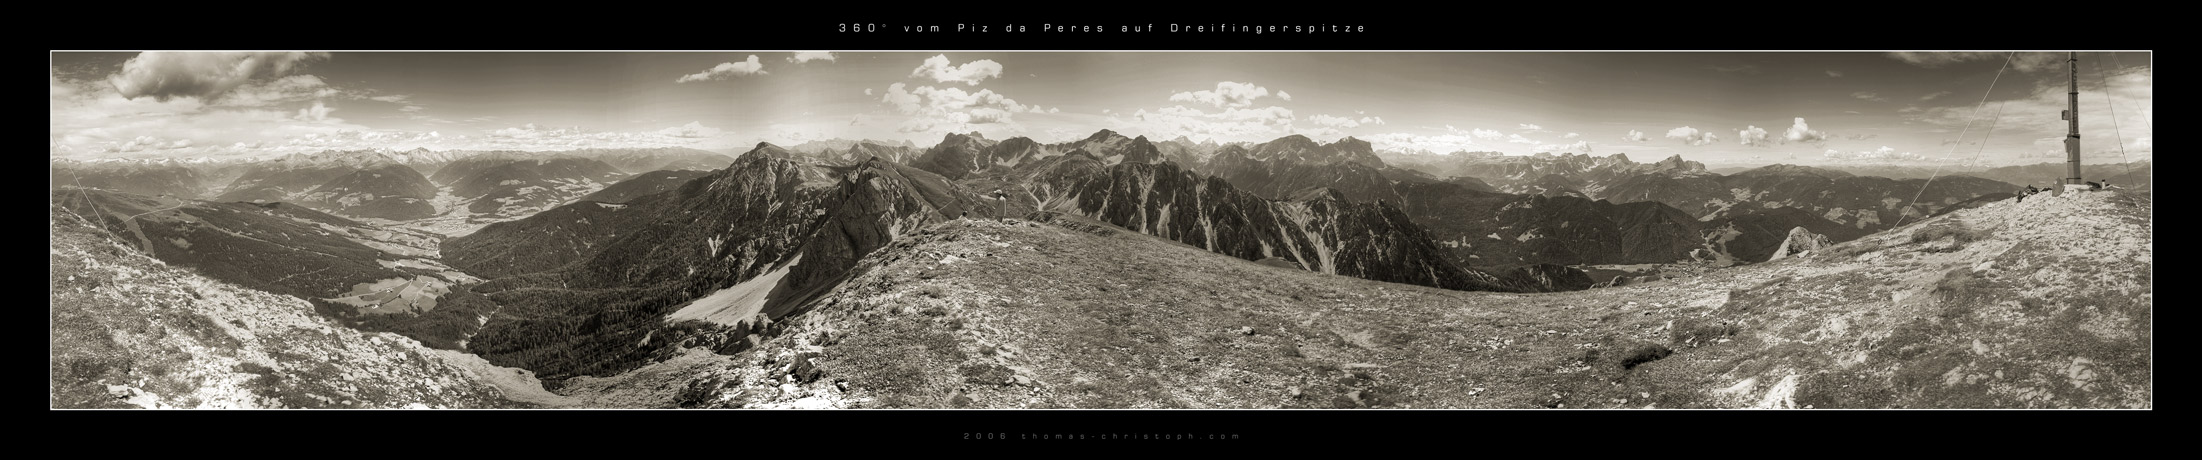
1813	108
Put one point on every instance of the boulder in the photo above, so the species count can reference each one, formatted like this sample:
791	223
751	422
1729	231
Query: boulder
1800	242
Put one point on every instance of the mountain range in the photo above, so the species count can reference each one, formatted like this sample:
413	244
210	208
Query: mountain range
582	268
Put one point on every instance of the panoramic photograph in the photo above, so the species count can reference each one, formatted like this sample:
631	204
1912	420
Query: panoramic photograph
1242	230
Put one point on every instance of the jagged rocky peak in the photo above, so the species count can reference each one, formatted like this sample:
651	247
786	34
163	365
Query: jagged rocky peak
766	149
1103	135
1801	243
1300	148
1351	144
1676	163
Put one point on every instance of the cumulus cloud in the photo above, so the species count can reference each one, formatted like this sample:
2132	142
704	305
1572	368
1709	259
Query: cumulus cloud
1753	136
693	129
1635	136
1284	95
1232	124
970	73
1226	94
1335	122
808	56
1866	95
1571	136
167	75
1860	137
1486	133
1372	120
1577	147
318	112
726	70
1454	140
953	108
1799	132
142	143
1530	127
1691	136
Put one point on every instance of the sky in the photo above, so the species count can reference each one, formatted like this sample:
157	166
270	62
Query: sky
1812	108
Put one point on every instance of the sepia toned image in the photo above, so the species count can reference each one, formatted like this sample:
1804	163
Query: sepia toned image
1250	230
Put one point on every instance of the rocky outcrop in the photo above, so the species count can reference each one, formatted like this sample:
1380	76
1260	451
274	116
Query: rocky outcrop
1801	243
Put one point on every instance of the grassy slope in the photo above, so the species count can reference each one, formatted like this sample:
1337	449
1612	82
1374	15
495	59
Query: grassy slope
2047	305
129	331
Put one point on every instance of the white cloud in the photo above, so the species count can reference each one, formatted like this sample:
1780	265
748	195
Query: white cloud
1635	136
1486	133
1518	139
1885	154
2034	110
1455	140
1577	147
1229	125
1753	136
294	88
1335	122
318	112
167	75
1799	132
1936	94
1284	95
1571	136
142	143
808	56
537	138
970	73
952	108
726	70
1868	96
1530	127
1835	74
693	129
1691	136
1226	94
1371	120
2023	62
